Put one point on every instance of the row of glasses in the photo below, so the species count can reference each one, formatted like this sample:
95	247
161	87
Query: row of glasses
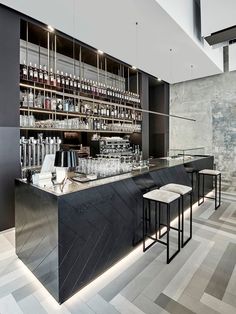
27	121
104	167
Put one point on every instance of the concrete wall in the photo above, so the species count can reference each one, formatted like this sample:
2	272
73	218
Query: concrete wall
212	102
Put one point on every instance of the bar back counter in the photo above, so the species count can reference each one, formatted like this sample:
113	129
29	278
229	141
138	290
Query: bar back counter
68	239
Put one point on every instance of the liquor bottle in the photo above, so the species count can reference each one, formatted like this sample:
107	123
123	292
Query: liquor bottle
71	82
85	86
30	72
95	111
99	111
99	89
47	102
25	99
59	104
71	105
24	71
67	82
36	75
58	79
39	100
78	84
51	78
31	99
115	113
62	79
75	84
40	74
66	105
126	114
82	84
45	75
53	103
108	111
112	112
88	86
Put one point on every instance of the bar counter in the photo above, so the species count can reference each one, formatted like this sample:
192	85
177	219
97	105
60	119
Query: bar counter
68	239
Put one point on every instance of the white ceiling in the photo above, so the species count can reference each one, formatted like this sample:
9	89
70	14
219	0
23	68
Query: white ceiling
109	25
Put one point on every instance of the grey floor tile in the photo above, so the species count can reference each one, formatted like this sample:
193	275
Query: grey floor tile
25	291
223	272
113	288
30	305
100	306
171	305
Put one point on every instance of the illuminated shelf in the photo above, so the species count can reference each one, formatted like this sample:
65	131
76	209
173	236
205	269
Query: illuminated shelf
75	114
90	99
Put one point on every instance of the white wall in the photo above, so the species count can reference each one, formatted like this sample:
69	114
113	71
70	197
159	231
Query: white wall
217	15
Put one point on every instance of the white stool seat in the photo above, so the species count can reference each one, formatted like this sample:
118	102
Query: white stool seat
177	188
161	196
210	172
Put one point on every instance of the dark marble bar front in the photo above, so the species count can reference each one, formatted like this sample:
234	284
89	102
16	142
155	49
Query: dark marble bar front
68	239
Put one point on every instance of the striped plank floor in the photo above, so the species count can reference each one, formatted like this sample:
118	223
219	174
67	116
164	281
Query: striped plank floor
201	279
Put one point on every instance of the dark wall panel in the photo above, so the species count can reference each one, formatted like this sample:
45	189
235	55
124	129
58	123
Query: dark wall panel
9	65
159	125
9	113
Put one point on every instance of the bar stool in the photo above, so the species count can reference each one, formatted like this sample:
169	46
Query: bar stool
183	190
166	198
215	174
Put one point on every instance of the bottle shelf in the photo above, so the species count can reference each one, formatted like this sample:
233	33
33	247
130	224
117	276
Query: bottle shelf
75	114
75	130
92	99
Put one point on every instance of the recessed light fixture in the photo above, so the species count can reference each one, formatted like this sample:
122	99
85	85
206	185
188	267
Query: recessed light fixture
134	67
100	52
159	79
50	28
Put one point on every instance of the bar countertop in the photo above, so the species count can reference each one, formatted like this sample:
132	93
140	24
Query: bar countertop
155	164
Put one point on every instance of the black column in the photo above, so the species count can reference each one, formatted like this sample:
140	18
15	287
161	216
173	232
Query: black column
145	123
9	113
159	125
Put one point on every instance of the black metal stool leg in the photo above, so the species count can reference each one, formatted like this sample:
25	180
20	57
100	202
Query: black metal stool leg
168	231
190	222
216	192
144	224
198	188
220	189
182	216
203	188
191	215
156	219
179	224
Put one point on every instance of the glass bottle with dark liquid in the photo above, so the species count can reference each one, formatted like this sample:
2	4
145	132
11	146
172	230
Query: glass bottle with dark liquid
36	75
40	74
24	71
45	75
30	72
58	79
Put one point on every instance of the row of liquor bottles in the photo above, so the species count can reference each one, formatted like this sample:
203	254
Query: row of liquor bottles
88	123
73	83
50	102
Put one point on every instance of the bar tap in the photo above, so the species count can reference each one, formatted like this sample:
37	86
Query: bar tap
33	151
38	144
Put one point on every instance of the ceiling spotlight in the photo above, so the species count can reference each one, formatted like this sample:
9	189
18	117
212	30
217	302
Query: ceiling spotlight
100	52
159	79
50	28
134	67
